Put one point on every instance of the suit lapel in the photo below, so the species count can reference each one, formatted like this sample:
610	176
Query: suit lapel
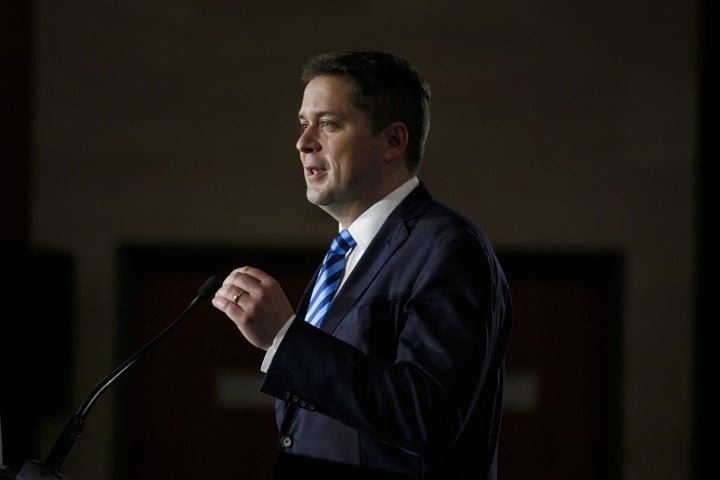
362	275
388	239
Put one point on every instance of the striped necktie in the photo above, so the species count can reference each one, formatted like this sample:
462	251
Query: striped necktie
329	277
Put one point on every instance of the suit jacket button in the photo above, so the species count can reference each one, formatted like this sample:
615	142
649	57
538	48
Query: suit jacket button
310	406
286	441
285	394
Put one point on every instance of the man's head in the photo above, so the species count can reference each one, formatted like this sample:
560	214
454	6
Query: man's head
387	88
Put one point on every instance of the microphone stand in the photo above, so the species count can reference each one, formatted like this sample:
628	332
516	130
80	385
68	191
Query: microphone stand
49	469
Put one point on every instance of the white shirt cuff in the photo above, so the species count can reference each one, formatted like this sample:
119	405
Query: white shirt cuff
267	360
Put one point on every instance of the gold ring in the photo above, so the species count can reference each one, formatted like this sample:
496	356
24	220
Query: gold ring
238	293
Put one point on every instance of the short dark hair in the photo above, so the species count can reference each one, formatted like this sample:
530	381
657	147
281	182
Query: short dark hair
387	87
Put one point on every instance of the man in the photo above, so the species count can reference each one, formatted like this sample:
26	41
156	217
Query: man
403	375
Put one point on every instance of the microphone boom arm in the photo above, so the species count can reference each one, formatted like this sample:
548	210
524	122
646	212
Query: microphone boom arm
65	442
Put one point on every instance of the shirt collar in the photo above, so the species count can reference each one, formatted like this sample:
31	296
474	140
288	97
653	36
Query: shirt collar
366	226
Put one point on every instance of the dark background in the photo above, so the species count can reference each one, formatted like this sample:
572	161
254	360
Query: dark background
50	274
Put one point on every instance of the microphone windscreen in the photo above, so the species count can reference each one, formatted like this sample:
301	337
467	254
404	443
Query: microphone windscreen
209	288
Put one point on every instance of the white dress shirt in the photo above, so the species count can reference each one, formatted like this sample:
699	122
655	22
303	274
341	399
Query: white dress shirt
363	230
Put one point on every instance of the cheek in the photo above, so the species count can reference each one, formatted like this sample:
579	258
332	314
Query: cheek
354	157
341	157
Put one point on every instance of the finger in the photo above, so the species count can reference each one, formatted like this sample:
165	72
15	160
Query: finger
221	302
255	274
239	279
237	296
229	293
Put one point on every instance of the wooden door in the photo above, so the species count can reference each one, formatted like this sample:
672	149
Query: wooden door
562	398
190	408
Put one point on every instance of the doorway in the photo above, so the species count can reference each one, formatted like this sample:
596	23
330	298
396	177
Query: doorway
191	407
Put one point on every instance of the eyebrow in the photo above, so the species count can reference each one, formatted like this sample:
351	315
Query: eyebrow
322	113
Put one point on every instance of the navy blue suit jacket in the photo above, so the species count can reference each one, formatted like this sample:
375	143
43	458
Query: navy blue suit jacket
405	375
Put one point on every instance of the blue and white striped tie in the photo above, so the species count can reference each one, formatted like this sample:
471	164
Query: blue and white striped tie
329	277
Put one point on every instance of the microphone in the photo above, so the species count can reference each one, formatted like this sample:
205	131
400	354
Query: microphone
49	469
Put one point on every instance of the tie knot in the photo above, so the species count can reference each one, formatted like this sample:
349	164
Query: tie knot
342	243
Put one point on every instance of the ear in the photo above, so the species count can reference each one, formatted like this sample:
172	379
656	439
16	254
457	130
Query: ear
396	140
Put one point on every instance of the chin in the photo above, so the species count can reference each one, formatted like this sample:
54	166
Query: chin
316	196
313	198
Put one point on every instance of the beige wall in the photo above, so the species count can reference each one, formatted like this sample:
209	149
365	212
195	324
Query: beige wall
555	125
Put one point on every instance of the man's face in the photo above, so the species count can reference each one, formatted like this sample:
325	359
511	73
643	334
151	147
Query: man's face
341	158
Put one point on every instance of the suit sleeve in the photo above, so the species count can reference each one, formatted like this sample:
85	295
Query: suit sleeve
412	358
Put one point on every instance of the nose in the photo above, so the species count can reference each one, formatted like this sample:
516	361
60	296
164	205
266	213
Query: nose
307	142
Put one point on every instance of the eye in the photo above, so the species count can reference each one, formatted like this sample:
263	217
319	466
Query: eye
328	125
